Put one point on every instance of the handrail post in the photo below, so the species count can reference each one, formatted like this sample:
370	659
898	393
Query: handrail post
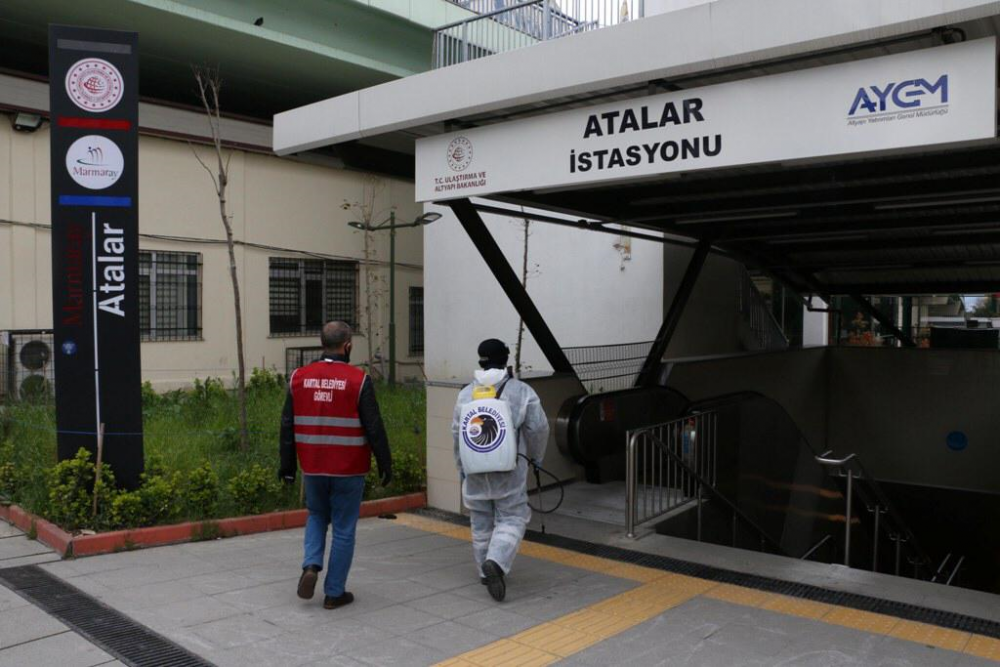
630	509
465	42
847	529
899	545
699	511
878	510
546	19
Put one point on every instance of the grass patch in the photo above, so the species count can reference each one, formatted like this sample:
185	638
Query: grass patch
195	469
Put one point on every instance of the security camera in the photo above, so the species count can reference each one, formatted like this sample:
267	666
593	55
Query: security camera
27	122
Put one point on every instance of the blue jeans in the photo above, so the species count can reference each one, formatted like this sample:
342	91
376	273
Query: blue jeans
335	500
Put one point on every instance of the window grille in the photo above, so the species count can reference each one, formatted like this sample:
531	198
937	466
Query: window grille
306	293
416	321
169	295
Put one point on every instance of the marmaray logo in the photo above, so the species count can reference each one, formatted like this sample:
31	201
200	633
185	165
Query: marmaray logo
910	94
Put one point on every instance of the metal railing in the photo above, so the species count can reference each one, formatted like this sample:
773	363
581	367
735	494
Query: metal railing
667	466
764	329
506	25
604	368
858	482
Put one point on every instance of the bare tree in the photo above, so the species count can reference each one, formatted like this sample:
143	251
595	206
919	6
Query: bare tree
209	86
374	282
524	284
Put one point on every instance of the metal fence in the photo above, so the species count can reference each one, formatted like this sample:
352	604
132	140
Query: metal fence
27	365
297	357
506	25
765	331
608	367
667	466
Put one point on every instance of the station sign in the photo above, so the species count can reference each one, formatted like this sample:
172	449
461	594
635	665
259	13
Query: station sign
933	96
94	105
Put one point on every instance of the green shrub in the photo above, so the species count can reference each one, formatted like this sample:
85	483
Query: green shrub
156	501
254	489
263	380
201	491
409	472
128	510
71	488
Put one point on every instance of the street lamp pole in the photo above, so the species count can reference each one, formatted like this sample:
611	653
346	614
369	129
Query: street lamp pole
392	298
390	224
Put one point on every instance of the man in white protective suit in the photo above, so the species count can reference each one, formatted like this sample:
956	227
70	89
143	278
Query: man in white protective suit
498	501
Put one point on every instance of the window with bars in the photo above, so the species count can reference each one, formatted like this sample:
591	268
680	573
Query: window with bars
416	321
307	293
169	295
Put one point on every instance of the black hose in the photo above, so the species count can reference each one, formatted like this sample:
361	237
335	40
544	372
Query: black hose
538	470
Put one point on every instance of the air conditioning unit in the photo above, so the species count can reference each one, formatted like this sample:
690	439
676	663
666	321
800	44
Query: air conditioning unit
27	369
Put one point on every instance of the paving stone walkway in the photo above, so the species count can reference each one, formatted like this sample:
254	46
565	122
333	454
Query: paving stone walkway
419	602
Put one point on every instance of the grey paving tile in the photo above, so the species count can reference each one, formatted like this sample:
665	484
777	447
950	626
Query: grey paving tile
447	605
300	614
64	650
338	661
451	638
18	547
309	645
402	590
10	600
497	621
27	623
565	597
185	613
7	530
219	582
258	597
231	632
397	651
398	619
38	559
143	597
447	579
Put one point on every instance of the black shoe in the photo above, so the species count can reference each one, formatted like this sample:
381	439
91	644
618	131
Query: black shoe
494	580
307	582
330	602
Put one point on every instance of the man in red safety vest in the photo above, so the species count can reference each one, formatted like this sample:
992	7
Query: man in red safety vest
332	422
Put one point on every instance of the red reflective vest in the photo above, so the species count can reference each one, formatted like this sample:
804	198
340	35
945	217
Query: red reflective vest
329	438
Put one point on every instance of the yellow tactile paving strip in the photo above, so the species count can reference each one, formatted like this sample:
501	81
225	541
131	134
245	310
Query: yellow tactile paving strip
659	591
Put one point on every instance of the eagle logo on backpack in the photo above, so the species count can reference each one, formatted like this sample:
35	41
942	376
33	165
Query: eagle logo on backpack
489	444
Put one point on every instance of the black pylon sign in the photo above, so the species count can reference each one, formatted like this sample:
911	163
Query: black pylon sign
94	105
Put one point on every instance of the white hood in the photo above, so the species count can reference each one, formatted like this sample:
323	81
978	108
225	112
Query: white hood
490	377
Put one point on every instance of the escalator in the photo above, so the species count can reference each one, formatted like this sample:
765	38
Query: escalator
736	470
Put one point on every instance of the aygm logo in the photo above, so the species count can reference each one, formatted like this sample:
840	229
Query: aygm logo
94	85
899	96
484	431
94	162
459	154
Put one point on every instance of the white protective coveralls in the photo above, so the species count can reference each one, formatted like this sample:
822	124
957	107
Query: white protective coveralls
498	501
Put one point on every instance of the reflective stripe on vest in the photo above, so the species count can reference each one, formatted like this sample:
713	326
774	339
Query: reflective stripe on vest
329	437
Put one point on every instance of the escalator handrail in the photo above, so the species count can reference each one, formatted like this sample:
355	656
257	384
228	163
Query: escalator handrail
715	492
903	528
865	479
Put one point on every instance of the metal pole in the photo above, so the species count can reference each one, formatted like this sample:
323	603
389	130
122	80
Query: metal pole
847	523
878	510
546	18
392	298
630	488
699	511
899	544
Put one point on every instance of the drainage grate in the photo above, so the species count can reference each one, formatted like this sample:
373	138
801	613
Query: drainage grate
123	638
910	612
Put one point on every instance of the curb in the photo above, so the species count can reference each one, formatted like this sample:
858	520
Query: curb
69	545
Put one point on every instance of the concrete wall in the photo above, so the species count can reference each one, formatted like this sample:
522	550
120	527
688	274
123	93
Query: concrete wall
587	292
296	208
895	408
796	379
709	323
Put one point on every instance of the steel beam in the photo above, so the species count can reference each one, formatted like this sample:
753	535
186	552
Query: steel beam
648	373
873	312
511	284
